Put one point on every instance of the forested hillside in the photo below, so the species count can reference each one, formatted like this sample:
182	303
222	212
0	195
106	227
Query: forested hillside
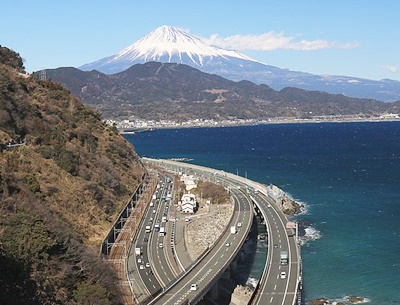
64	176
168	91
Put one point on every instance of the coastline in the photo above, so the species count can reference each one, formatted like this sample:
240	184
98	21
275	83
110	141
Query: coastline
340	188
235	123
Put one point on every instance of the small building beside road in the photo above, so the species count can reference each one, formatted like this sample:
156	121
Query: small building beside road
188	203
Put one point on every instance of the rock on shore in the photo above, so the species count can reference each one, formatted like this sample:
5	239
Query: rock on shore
325	301
289	206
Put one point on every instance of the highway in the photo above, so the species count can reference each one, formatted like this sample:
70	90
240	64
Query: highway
154	265
272	289
216	261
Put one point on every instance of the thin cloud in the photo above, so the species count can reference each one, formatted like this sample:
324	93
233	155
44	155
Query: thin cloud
274	41
392	68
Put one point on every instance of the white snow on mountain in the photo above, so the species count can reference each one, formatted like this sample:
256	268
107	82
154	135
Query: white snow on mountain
168	40
167	44
170	44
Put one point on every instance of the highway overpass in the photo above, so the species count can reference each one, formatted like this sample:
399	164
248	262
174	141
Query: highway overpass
272	288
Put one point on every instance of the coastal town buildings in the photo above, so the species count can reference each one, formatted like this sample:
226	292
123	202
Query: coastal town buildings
133	124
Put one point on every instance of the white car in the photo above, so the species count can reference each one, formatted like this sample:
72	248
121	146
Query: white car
139	260
147	265
141	267
160	245
193	287
283	275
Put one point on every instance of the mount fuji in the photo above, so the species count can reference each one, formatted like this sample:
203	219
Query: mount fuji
168	44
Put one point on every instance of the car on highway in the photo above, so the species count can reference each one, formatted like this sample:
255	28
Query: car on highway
193	287
160	245
283	275
239	224
147	265
141	267
227	244
145	239
139	260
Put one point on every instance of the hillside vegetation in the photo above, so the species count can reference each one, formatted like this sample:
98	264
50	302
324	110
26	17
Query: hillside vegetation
168	91
64	176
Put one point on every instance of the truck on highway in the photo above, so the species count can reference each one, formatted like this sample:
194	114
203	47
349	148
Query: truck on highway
233	230
284	258
138	251
148	229
162	231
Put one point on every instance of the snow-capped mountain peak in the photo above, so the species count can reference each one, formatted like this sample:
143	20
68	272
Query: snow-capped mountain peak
165	44
168	40
168	44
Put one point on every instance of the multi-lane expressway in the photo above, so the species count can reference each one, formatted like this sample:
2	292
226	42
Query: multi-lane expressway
153	264
206	272
273	288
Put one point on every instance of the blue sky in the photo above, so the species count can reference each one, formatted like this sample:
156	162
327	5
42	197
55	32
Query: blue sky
358	38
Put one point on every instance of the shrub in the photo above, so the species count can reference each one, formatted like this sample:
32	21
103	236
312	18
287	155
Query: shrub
26	238
91	294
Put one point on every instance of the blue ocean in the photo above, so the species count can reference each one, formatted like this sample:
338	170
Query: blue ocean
346	174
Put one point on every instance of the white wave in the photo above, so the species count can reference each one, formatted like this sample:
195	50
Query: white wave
252	282
311	234
345	300
304	207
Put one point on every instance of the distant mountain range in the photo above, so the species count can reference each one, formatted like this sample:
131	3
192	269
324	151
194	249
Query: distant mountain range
168	44
158	91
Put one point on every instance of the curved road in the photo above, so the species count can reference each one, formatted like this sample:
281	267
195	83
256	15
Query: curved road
215	262
272	288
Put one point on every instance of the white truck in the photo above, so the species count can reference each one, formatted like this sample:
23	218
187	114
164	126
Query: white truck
162	231
233	230
138	251
148	229
284	258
